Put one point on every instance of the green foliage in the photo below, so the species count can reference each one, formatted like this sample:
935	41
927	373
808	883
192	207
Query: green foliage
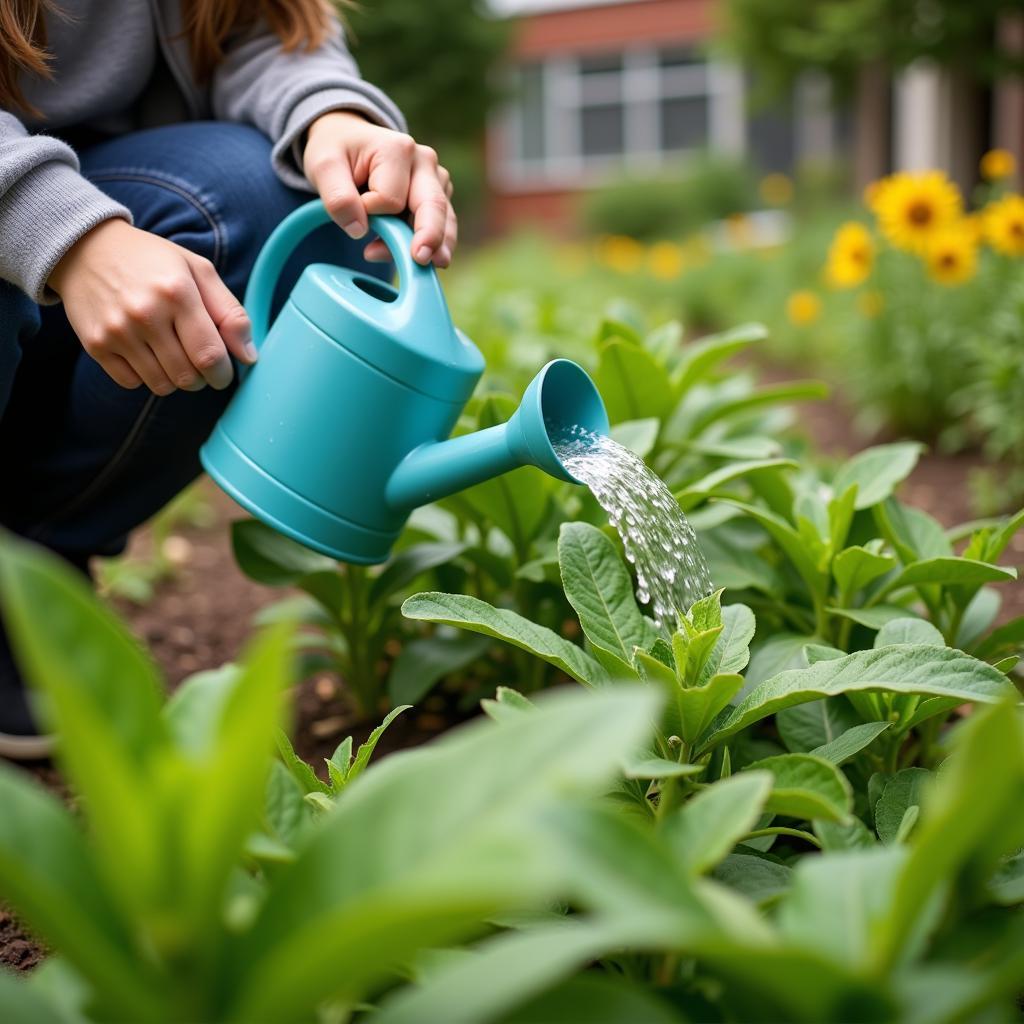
706	188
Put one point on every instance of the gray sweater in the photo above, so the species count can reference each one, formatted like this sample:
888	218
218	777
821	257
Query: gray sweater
109	76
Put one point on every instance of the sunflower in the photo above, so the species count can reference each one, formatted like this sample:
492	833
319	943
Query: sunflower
951	255
850	257
912	207
998	164
1004	225
803	308
620	253
665	260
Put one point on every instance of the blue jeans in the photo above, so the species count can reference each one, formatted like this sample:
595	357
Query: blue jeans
82	460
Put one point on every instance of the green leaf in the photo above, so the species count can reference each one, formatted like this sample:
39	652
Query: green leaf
398	865
1009	637
104	698
366	749
704	831
757	878
904	668
806	787
775	394
506	702
632	383
874	617
903	791
698	705
696	492
877	471
480	617
913	534
658	768
600	590
194	709
856	567
424	661
409	563
815	724
909	631
949	571
297	768
639	436
271	558
1006	887
851	742
700	357
852	835
23	1004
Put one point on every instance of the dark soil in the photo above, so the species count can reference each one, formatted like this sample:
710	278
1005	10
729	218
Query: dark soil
201	617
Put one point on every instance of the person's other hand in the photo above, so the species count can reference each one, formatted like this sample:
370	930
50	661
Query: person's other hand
345	152
150	312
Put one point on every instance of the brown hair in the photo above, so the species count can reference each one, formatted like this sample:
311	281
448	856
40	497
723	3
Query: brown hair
208	23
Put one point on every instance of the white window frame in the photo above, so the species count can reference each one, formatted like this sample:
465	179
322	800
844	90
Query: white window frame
642	84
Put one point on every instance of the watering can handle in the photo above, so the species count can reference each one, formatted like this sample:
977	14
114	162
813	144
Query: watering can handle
417	284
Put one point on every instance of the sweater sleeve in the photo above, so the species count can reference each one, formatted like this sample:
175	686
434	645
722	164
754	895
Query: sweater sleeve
45	206
283	93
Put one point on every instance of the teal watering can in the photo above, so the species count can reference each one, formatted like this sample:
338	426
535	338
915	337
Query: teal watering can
341	428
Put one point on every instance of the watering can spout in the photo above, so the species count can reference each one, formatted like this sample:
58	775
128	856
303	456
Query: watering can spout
560	397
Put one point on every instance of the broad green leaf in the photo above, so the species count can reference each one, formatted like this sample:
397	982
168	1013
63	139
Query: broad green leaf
978	617
913	534
271	558
877	471
1006	886
639	436
409	563
48	874
658	768
774	394
424	661
23	1004
632	383
284	807
856	567
971	814
757	878
908	631
698	705
736	568
815	724
904	668
592	998
841	511
1009	637
731	652
806	787
851	742
852	835
399	866
903	791
480	617
600	590
506	702
700	357
949	571
228	803
194	709
777	653
791	543
513	968
297	768
696	492
874	617
704	831
104	698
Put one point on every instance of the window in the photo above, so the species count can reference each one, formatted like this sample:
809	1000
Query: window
576	113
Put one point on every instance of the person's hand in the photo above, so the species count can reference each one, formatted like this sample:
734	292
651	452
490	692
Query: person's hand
150	312
345	152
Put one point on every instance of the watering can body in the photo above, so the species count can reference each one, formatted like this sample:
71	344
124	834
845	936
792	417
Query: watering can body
339	429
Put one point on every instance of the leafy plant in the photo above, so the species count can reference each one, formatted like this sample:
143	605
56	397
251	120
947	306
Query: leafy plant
200	885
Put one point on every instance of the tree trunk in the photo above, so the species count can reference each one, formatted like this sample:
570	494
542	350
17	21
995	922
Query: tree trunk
872	124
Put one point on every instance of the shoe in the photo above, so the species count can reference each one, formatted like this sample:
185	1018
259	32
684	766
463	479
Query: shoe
20	739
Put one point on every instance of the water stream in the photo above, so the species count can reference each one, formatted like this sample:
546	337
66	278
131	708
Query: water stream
671	571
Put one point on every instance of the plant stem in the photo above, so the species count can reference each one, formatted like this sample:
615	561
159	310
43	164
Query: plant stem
780	830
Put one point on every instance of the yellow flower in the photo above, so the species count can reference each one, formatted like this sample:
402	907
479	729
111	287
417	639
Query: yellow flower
951	255
1004	225
850	257
665	260
803	308
998	164
621	253
871	304
776	190
912	207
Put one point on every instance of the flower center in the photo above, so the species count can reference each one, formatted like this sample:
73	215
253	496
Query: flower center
1017	228
920	213
948	261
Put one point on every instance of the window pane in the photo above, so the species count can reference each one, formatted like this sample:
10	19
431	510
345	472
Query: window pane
601	65
531	110
679	57
684	123
601	130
